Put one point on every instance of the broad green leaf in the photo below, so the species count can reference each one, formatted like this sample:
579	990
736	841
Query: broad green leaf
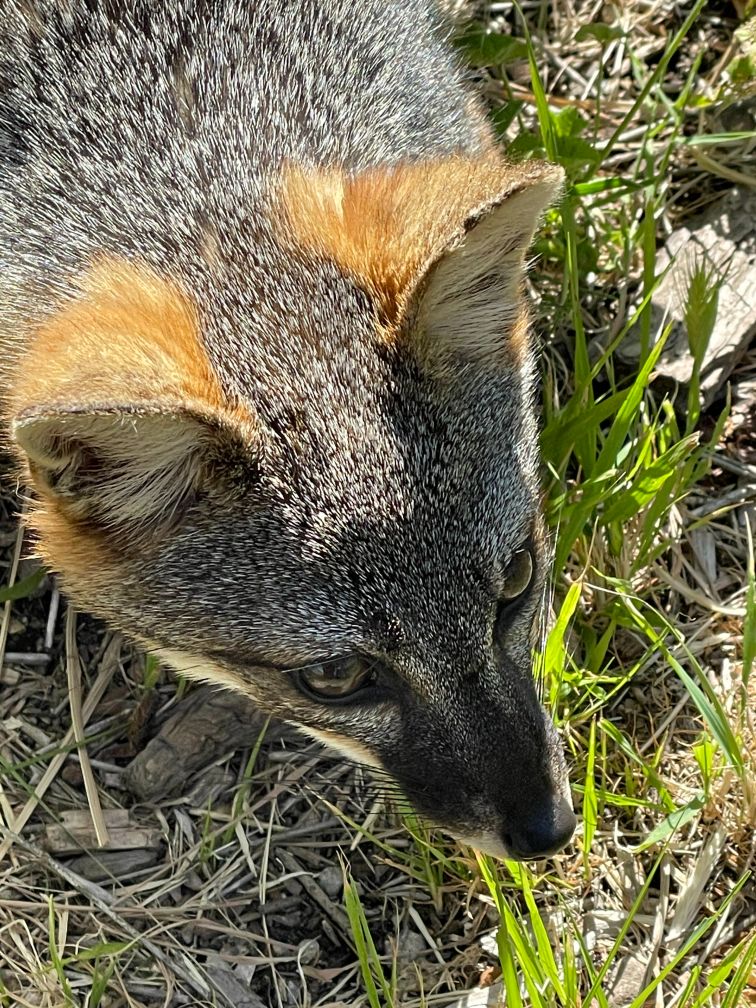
603	33
671	823
487	48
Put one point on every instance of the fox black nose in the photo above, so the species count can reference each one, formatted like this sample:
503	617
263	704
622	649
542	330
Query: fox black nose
544	833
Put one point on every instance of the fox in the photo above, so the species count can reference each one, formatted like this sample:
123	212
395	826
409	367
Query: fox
268	375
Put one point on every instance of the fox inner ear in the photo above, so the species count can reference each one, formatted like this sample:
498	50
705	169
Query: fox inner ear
114	467
468	300
115	410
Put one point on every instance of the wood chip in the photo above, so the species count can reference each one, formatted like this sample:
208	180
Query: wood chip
316	894
104	866
234	990
76	832
25	658
627	978
203	727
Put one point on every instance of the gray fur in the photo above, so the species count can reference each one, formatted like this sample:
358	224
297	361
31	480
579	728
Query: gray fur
384	503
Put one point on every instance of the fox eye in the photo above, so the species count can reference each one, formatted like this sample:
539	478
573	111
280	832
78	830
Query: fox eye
518	574
335	680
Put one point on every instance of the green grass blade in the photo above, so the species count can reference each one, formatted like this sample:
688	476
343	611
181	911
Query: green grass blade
590	803
22	589
749	625
653	79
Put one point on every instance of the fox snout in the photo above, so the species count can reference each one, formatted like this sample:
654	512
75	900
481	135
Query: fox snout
542	831
542	820
543	826
539	830
491	773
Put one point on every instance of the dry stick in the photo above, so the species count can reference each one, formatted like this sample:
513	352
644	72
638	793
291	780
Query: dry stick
26	658
73	672
93	698
587	104
313	890
52	615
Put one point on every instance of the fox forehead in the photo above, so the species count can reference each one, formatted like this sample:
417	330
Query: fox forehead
428	463
313	579
427	474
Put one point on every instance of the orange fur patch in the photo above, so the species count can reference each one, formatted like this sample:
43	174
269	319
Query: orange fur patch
83	557
128	347
518	340
385	226
131	337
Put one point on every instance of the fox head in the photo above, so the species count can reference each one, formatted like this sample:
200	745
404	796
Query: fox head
307	470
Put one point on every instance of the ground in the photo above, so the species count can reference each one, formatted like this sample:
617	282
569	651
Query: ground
283	876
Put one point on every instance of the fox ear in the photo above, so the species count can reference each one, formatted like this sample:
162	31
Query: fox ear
468	300
438	245
117	465
115	408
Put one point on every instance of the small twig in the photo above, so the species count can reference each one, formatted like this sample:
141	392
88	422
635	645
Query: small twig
52	615
25	658
588	105
734	466
313	890
288	833
739	495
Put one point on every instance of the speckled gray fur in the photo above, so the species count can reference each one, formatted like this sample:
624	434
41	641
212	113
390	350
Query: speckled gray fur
387	501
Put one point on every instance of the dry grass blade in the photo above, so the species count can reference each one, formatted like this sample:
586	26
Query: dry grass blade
694	886
179	964
90	705
11	580
73	671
